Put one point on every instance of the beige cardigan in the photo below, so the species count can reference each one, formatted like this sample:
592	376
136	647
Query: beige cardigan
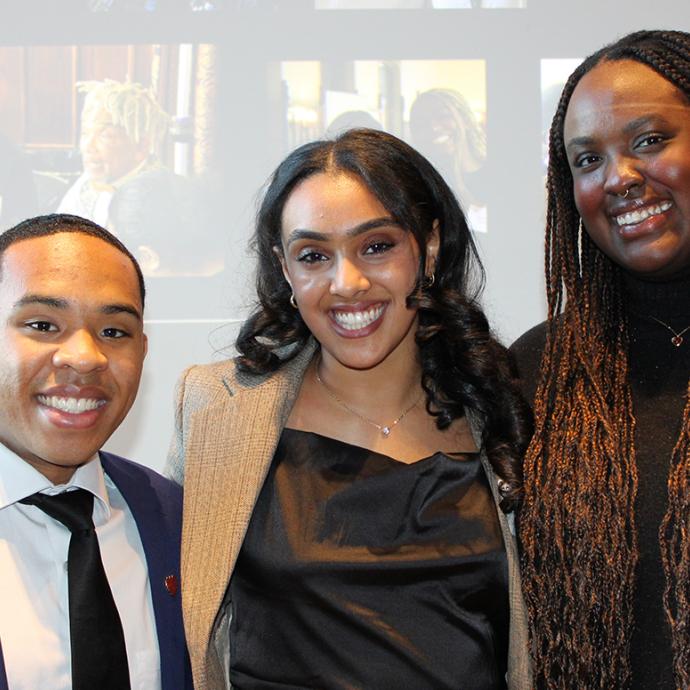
227	428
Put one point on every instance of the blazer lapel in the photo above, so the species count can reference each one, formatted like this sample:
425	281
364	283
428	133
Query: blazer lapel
3	673
519	671
162	559
228	451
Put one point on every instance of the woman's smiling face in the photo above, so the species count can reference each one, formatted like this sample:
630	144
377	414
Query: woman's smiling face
627	138
351	268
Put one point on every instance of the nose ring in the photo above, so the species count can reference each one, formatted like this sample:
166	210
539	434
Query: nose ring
625	196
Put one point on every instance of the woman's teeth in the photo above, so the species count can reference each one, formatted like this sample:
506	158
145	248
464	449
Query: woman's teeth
355	320
638	216
70	405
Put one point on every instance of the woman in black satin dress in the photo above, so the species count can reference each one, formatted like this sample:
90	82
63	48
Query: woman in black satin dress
372	426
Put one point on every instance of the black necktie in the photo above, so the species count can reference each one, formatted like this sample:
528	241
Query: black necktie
99	657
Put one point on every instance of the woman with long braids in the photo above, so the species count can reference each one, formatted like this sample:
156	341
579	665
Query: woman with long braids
605	524
347	476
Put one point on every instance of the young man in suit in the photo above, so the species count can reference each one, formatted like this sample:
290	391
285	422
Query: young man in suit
78	611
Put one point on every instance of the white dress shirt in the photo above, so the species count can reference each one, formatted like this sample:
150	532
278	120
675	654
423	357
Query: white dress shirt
96	210
34	608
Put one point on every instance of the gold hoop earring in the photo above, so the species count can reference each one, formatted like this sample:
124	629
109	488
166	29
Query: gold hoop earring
293	303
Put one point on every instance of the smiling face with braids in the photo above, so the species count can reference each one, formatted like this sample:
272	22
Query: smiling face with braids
629	156
618	200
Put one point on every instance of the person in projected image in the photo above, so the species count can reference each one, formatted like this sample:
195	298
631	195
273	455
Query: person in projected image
444	128
122	128
351	119
125	187
89	542
350	476
604	523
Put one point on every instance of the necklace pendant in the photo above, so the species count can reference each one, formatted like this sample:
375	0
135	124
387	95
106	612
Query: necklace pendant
677	338
386	430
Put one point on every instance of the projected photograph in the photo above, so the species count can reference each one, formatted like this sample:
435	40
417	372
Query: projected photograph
438	106
417	4
554	74
122	135
168	6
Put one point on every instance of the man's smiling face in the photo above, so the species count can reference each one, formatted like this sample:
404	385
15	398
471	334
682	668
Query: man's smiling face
73	346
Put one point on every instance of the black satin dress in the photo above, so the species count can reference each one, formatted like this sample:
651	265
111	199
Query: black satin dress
358	571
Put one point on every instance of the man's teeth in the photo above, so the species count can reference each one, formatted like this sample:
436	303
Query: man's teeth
71	405
354	320
642	214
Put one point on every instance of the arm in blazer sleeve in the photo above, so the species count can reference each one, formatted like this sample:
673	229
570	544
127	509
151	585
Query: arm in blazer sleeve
174	466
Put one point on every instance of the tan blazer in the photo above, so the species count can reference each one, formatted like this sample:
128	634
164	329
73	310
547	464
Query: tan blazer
227	428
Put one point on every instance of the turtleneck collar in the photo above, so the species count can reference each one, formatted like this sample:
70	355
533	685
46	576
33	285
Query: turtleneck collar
668	301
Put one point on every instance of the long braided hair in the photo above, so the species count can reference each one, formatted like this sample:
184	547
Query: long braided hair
579	548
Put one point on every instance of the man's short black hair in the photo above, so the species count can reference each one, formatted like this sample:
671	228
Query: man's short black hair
56	223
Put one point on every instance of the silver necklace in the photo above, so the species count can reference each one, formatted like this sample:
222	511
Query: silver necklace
385	429
677	338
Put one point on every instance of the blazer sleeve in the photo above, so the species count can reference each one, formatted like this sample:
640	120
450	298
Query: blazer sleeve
174	466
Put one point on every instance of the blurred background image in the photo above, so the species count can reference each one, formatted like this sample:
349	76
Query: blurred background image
163	119
415	4
437	106
106	132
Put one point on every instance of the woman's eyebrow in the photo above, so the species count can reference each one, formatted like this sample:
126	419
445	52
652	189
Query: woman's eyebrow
644	120
628	128
304	234
579	141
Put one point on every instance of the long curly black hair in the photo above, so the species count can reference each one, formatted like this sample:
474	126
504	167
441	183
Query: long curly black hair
577	530
463	367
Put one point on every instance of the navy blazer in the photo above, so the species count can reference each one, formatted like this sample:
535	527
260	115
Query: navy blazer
156	505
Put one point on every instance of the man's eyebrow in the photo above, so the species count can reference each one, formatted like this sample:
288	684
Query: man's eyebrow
60	303
121	308
55	302
303	234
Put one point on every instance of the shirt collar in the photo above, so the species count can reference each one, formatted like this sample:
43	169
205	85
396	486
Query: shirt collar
18	480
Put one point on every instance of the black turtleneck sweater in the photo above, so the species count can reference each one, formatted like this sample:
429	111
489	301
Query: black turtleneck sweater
659	374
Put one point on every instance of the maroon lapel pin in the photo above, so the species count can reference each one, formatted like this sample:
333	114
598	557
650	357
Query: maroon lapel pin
171	585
